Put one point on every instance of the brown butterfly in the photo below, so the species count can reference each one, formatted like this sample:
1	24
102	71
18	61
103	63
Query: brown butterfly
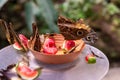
11	35
72	30
35	39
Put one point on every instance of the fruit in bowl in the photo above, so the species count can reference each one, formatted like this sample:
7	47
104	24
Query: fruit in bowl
49	46
69	44
56	50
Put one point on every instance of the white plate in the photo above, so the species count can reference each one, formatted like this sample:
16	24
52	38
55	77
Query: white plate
77	70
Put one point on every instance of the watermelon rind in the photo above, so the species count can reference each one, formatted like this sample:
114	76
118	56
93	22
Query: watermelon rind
17	47
92	60
26	77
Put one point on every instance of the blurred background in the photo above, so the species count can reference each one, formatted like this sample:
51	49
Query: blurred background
102	15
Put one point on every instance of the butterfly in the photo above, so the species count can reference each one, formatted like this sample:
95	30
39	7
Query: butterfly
35	39
11	35
72	30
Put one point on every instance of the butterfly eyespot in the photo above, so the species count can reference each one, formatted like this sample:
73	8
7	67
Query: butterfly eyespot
79	33
88	38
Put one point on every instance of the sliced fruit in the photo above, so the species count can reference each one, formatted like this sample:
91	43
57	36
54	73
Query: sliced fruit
48	50
69	44
17	46
49	42
49	46
23	39
27	73
61	52
90	59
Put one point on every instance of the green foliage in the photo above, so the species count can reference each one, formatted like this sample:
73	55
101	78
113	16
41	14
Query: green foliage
39	8
85	8
30	17
49	13
43	9
111	9
77	8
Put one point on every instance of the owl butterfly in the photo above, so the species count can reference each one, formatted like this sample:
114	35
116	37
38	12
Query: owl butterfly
72	30
35	39
11	35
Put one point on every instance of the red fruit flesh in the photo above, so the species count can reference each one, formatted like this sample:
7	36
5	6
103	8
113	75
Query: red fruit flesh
49	43
23	39
25	70
17	46
49	46
48	50
69	44
87	57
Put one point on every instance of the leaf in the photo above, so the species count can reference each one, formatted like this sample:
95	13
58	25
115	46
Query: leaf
112	9
29	15
2	2
49	13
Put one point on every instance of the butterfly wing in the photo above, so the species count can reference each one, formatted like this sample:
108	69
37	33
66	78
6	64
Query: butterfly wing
72	30
8	32
92	37
35	40
12	37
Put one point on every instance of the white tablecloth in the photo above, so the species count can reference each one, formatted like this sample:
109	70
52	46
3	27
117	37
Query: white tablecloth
77	70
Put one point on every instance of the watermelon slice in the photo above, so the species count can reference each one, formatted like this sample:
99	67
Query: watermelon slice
27	73
17	46
23	39
68	44
49	46
90	59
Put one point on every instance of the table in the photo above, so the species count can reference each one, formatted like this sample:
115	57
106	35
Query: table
77	70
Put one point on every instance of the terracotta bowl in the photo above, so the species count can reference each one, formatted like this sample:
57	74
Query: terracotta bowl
58	58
